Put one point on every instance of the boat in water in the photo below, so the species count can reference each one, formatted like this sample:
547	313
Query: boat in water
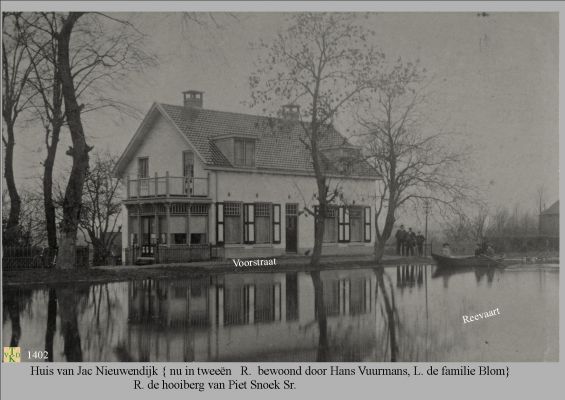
468	261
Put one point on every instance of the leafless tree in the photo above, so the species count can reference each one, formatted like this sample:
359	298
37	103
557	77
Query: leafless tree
84	57
413	166
104	50
322	62
31	218
101	207
16	69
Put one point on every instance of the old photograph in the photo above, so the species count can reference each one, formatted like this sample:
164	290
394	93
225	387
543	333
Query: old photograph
280	186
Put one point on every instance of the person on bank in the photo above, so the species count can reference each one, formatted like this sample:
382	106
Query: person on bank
400	240
478	249
411	242
446	250
420	239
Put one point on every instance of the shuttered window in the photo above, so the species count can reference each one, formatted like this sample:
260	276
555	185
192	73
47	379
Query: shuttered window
343	224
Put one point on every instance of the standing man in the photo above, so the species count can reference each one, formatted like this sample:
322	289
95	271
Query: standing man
420	239
411	241
400	239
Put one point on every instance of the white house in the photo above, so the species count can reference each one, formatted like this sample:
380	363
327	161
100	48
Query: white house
199	179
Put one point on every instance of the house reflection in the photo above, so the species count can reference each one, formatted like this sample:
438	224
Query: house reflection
247	316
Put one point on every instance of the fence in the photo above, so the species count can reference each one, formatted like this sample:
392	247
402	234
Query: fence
39	257
177	253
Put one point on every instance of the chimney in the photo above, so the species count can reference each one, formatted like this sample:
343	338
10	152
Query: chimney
291	111
193	98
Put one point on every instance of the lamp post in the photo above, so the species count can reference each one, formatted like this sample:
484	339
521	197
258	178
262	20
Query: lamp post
427	211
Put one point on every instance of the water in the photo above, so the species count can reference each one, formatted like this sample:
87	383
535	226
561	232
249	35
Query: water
406	313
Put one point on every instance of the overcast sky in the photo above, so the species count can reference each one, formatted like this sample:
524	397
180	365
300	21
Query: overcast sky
496	83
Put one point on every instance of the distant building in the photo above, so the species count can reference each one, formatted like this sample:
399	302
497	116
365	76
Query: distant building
549	220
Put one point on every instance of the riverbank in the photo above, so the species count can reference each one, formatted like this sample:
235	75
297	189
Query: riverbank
104	274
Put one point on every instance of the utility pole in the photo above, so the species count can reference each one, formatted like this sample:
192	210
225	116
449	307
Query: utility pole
427	210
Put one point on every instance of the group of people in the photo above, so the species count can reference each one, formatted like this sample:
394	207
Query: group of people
484	248
408	243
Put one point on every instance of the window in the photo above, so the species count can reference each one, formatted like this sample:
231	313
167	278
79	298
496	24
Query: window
262	223
343	224
244	152
330	224
143	167
356	224
177	226
249	223
188	164
179	238
276	223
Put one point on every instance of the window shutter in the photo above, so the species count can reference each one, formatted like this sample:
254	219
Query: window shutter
346	225
219	223
276	223
367	220
249	223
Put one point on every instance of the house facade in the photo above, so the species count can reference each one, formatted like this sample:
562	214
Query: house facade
198	179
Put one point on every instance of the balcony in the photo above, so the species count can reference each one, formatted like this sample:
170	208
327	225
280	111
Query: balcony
167	186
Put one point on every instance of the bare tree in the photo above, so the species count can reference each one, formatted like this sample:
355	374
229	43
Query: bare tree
15	98
101	207
104	50
413	166
322	62
83	55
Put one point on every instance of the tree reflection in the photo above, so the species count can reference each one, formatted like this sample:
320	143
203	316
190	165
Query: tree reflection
321	317
390	311
15	302
51	323
68	300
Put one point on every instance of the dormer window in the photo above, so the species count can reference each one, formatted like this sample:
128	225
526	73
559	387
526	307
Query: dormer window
244	152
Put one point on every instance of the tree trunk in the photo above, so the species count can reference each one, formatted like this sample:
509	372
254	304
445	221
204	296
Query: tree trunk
79	151
384	236
319	223
379	249
50	218
12	225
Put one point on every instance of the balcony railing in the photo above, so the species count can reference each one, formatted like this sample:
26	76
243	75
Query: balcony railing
167	186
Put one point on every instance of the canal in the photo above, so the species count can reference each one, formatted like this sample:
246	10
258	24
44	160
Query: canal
401	313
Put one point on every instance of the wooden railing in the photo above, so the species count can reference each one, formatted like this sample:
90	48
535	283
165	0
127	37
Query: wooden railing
167	186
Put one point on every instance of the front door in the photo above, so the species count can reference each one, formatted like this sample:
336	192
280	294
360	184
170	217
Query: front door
147	236
291	216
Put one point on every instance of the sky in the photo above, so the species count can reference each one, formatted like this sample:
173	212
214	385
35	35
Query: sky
495	85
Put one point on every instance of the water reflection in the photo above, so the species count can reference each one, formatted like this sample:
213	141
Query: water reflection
403	313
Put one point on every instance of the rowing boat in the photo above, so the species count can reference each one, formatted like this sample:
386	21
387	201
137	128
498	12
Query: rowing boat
467	261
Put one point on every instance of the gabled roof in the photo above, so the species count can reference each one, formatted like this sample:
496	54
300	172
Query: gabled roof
278	142
552	210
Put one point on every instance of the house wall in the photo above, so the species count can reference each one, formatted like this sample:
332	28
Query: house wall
549	224
251	187
164	146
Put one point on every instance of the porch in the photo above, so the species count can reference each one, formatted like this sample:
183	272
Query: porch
168	231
